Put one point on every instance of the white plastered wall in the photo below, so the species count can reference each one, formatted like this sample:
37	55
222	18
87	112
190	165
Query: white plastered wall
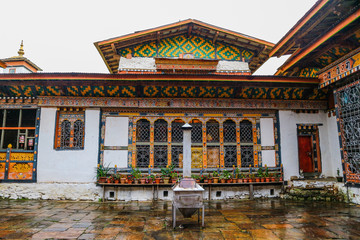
116	135
67	165
329	144
267	140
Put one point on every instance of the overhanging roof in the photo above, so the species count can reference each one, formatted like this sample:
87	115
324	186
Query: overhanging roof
19	59
2	64
327	25
108	48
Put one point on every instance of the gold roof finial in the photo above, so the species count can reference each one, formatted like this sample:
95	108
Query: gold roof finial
21	50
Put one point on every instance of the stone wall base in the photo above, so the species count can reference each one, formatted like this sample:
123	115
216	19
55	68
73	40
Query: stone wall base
317	190
91	192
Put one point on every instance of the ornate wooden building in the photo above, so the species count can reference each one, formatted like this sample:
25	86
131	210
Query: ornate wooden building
188	72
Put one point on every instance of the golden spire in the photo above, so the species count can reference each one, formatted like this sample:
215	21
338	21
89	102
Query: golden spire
21	50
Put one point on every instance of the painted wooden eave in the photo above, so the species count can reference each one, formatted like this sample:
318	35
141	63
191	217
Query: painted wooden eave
111	59
97	78
297	56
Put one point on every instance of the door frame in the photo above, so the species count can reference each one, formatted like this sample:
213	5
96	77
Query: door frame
311	130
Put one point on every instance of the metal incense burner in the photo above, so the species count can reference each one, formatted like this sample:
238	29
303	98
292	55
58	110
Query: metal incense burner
188	195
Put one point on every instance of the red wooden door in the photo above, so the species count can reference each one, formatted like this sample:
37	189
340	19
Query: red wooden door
306	161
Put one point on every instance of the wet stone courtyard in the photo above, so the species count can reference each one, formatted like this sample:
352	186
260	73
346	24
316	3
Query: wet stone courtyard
245	219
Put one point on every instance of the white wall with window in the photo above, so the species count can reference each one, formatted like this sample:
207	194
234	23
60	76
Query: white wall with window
67	165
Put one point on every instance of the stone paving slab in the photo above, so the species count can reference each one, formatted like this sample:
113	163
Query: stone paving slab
235	219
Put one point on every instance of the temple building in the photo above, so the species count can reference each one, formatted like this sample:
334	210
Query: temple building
57	127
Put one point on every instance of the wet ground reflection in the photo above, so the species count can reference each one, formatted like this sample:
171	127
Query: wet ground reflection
257	219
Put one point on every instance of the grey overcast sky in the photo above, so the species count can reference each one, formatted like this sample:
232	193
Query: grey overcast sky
59	35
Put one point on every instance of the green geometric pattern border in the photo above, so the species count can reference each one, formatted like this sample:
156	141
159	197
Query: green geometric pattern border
201	47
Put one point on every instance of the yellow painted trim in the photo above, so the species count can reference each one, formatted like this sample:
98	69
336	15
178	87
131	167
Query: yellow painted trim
213	115
174	114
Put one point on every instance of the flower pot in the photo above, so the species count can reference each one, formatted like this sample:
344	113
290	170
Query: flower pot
257	179
250	180
173	180
102	180
136	181
229	180
267	179
240	180
209	180
166	180
116	181
272	179
143	181
222	180
108	180
122	180
215	179
157	180
246	180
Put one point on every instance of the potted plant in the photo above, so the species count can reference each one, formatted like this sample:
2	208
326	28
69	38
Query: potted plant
215	176
165	173
174	176
209	179
116	178
136	173
101	173
122	179
272	177
246	178
225	176
259	175
110	179
142	179
266	174
157	179
237	174
196	177
150	178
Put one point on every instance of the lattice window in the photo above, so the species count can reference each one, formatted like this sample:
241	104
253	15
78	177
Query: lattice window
143	131
247	156
177	155
65	134
212	131
229	131
349	113
176	131
142	156
246	135
160	156
70	129
196	132
230	158
160	131
78	134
